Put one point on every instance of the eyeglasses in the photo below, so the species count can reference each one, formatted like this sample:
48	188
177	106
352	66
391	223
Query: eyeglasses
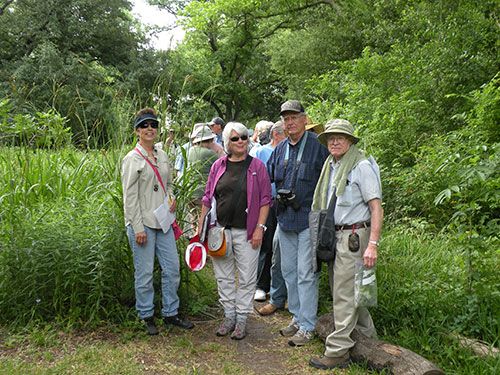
293	118
145	124
236	139
337	138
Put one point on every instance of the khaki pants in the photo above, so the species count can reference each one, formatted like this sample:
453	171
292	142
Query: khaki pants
236	275
346	316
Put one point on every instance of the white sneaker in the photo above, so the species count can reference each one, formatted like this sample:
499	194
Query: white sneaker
260	295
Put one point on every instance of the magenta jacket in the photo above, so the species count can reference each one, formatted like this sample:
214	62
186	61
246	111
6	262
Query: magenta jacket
258	189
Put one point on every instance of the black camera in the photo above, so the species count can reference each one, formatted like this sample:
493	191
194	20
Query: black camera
287	198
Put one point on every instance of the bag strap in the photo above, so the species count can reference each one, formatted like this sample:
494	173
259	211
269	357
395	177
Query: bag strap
329	221
155	170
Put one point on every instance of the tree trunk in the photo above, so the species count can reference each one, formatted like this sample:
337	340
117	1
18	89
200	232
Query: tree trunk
379	354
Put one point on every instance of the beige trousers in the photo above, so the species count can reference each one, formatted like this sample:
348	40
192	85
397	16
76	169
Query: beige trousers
236	275
346	316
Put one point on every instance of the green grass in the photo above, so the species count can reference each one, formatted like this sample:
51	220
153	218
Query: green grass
65	264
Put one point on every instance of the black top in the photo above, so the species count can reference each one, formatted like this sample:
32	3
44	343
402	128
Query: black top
234	176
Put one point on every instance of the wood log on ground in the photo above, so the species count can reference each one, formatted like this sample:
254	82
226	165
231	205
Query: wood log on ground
379	354
480	348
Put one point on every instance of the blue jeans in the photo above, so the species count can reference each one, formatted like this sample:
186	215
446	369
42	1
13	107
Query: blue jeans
163	246
277	291
301	281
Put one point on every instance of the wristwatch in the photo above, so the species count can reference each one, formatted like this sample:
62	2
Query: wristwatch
376	243
262	226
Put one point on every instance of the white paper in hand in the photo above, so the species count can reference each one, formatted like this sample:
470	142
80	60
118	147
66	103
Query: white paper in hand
164	216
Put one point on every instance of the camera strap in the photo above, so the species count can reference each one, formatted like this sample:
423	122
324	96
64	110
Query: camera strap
297	161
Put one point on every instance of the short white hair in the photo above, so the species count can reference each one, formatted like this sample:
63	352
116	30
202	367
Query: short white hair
263	125
239	128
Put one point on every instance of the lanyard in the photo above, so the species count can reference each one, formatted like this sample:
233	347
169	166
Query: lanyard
155	170
297	161
301	150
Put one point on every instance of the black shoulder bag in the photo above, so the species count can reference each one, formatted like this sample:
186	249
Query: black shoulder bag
322	227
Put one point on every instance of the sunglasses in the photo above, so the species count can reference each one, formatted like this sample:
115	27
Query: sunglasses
145	124
236	139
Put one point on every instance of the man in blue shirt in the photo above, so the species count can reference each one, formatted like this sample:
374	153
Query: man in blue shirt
217	126
295	166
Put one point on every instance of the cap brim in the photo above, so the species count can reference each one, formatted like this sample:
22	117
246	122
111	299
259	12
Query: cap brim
146	118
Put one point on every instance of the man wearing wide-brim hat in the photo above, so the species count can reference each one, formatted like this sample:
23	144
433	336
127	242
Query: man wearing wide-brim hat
358	216
200	157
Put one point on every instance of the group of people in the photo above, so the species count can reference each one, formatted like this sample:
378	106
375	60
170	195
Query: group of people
262	192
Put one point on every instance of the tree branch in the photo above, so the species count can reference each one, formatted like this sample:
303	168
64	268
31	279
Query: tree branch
298	9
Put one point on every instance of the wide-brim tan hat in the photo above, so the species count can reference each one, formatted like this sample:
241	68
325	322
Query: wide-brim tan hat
338	126
201	133
318	128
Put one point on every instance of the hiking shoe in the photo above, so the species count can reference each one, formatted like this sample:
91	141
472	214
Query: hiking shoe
260	295
239	332
176	321
268	309
289	330
227	326
328	363
301	338
151	326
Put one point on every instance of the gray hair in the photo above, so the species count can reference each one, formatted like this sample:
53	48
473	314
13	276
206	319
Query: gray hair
239	128
278	128
263	125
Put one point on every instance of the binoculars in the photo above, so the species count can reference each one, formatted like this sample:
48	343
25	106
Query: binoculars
287	198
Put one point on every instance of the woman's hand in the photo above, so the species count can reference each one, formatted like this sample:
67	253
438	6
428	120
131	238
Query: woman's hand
173	205
370	255
141	238
257	236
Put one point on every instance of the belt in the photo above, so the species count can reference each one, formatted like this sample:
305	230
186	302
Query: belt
366	224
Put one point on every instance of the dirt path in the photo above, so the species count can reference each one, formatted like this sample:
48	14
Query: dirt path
263	351
173	351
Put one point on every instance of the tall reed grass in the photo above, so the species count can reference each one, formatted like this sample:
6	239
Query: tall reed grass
63	250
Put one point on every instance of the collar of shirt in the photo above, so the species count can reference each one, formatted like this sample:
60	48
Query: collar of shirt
144	152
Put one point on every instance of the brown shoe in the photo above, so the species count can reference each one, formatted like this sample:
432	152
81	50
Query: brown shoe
328	363
267	309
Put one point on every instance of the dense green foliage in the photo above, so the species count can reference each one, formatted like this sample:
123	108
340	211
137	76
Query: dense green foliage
63	249
419	78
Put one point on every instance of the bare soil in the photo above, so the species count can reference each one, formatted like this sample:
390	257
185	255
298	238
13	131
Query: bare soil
176	351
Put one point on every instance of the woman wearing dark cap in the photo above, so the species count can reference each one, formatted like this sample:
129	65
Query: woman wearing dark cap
147	183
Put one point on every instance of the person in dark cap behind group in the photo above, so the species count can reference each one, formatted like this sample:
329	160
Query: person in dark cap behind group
295	166
217	126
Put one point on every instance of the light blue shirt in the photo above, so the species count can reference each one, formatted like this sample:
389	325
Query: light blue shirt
263	153
179	160
363	185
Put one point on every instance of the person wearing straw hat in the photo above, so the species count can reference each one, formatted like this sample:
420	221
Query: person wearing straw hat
358	214
315	128
147	181
200	158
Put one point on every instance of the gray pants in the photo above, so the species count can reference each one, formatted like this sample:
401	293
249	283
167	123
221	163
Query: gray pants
236	275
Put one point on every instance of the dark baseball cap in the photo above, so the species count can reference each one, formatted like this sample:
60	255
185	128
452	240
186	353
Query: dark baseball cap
144	117
218	121
292	106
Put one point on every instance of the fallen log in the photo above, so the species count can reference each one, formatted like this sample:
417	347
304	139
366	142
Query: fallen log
381	355
479	347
